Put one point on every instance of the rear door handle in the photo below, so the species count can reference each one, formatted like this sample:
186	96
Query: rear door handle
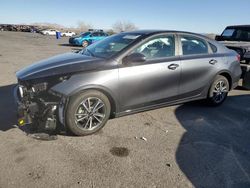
213	61
173	66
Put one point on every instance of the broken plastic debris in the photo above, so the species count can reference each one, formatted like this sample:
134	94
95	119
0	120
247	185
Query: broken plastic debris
43	136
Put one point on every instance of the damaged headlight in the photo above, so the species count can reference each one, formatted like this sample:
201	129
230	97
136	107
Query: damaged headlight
40	87
21	91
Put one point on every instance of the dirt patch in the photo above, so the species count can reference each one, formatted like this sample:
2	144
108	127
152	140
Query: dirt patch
20	159
119	151
20	150
37	173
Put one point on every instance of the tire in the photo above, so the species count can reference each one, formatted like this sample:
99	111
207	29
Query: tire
218	91
84	116
85	43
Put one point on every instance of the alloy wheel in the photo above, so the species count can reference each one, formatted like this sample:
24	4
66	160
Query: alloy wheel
90	113
220	91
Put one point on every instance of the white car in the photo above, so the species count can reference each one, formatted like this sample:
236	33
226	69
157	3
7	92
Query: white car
68	34
49	32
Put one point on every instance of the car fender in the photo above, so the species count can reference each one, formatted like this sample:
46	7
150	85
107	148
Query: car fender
105	81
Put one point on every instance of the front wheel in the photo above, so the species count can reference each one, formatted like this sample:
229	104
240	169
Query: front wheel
218	91
87	112
85	44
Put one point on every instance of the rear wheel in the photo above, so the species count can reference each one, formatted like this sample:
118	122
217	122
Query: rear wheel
218	91
87	112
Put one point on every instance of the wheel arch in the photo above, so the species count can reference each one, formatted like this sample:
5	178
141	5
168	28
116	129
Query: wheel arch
228	76
113	100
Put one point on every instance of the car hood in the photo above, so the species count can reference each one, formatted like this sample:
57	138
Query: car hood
59	65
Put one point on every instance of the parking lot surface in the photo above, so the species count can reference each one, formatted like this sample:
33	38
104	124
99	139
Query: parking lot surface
188	145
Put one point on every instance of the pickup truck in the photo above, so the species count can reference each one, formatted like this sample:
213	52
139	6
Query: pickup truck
238	38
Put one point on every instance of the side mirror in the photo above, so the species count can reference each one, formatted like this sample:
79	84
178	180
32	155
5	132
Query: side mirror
134	58
218	37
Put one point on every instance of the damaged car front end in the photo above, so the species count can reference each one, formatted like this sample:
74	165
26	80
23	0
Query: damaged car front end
38	105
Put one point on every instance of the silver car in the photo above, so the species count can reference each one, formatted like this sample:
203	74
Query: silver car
123	74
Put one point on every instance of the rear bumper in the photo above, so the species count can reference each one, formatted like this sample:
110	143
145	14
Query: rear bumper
246	56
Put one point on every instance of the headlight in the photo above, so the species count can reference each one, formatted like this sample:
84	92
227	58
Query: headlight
20	89
40	87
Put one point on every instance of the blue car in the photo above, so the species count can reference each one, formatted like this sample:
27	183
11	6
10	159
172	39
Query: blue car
85	39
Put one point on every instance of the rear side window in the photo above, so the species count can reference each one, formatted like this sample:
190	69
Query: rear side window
102	34
213	47
96	34
193	45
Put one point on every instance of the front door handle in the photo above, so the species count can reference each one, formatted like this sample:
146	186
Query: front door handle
213	61
173	66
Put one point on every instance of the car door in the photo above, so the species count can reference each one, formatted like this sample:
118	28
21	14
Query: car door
154	81
94	37
199	65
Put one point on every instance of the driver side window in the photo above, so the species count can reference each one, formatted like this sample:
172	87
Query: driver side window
158	47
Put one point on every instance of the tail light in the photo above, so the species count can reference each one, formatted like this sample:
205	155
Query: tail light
238	57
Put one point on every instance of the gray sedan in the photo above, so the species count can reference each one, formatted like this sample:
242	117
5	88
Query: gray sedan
123	74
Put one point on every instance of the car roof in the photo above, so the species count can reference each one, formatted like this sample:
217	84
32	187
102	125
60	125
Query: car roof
153	32
238	26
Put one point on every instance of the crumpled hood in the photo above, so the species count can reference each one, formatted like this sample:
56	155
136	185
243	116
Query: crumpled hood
58	65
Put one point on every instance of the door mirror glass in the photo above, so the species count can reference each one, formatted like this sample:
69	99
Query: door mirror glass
135	58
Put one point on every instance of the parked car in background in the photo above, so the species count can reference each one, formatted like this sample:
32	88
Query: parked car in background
49	32
123	74
237	38
87	38
68	34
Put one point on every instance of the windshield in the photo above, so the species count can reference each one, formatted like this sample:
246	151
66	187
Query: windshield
228	33
110	46
237	34
83	34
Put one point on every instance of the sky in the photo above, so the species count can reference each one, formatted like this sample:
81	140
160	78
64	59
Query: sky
200	16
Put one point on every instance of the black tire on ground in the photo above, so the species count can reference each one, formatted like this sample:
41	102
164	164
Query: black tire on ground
214	99
73	107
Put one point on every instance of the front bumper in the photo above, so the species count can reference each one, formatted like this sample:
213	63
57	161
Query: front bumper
73	42
35	112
